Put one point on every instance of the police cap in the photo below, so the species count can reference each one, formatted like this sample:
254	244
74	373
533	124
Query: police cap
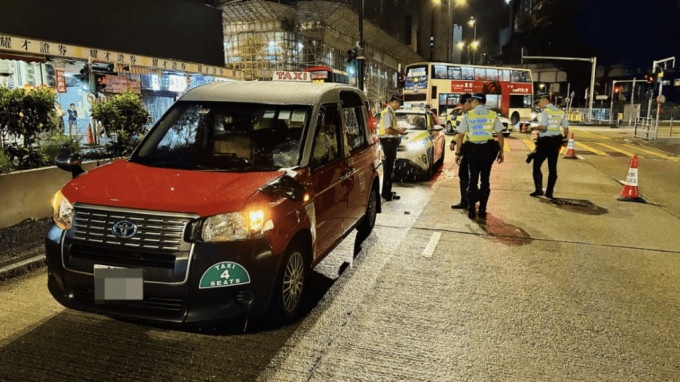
543	95
481	97
397	97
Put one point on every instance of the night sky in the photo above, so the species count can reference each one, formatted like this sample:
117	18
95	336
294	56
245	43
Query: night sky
631	33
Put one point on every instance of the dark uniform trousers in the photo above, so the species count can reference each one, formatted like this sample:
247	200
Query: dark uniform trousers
480	159
389	146
546	148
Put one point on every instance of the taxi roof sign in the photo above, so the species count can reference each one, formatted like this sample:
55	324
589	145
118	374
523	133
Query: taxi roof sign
281	75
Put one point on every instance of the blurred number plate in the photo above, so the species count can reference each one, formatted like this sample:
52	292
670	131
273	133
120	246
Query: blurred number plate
117	284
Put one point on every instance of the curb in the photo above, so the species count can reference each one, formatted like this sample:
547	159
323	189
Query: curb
14	267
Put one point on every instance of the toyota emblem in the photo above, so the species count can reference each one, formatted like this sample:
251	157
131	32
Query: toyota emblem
124	229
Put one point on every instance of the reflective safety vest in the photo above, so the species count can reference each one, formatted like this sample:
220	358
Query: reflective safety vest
381	125
480	127
554	119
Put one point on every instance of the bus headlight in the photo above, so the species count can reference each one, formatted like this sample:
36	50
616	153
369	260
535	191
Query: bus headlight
417	145
236	225
63	211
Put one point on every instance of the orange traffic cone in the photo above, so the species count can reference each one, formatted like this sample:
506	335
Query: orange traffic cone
630	187
90	140
570	149
524	127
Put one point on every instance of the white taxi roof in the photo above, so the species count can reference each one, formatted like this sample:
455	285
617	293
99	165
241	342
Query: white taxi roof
268	92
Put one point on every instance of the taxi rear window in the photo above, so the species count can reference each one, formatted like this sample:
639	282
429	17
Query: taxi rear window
223	136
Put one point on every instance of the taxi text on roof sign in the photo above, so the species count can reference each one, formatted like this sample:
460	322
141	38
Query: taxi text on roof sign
281	75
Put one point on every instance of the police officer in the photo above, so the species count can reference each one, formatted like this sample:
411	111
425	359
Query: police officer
549	143
389	140
478	126
463	174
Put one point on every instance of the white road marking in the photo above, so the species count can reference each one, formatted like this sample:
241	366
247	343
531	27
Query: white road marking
434	240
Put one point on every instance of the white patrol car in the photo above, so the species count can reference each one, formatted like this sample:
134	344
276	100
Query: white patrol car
422	146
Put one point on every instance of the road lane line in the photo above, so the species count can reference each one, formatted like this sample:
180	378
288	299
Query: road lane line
434	240
628	153
591	149
530	144
655	153
589	134
506	146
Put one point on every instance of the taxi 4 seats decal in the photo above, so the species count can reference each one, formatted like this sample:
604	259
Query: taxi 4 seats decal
226	273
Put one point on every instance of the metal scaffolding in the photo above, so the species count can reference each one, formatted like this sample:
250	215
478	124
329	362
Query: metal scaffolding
262	36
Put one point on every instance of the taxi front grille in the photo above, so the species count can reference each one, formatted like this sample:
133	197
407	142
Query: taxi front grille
126	257
155	230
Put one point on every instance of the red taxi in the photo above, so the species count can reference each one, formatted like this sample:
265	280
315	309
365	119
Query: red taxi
224	207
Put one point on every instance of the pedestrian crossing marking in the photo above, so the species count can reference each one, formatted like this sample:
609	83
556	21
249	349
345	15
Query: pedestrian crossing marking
655	153
589	134
628	153
591	149
506	146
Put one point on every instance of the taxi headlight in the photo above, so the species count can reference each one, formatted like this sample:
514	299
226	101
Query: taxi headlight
417	145
63	211
235	225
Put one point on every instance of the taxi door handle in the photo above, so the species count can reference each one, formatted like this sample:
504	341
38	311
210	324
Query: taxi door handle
350	171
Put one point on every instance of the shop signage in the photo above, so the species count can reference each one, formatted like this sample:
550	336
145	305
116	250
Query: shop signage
38	47
61	81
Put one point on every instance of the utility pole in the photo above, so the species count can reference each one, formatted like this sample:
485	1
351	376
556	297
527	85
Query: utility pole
593	60
361	56
660	98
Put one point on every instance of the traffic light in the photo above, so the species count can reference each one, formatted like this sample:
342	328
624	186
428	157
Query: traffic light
617	89
400	80
352	61
649	78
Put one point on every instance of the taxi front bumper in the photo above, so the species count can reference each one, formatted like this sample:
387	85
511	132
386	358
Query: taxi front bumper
171	292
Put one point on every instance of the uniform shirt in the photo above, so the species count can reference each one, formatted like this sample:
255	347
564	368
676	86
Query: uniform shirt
388	120
481	110
543	120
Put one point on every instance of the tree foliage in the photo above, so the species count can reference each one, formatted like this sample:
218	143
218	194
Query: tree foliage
125	116
24	115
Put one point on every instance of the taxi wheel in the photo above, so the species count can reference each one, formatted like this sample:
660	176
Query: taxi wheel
368	221
292	282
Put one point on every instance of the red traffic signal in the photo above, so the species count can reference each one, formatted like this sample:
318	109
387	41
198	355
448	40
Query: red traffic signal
617	89
649	78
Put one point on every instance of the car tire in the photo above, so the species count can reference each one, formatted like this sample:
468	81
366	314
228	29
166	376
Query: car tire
292	283
368	221
514	119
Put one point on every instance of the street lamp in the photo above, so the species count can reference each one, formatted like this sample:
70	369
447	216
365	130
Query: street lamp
473	24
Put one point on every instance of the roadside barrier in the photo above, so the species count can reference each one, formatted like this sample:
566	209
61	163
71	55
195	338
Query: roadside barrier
630	187
570	149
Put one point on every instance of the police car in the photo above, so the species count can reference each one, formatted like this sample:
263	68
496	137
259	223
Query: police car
223	209
422	145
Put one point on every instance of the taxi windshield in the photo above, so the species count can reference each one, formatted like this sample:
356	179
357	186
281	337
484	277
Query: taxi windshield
225	136
412	121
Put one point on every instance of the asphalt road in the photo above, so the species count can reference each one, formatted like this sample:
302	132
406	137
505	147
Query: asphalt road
584	288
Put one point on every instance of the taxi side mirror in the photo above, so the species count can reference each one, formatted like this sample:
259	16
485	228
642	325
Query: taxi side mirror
69	160
285	186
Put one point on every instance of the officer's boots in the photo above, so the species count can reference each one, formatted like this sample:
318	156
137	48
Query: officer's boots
538	185
463	204
483	198
473	196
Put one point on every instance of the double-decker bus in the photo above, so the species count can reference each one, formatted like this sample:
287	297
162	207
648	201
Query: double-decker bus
321	74
508	90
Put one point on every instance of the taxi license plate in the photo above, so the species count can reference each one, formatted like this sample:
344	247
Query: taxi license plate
112	284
